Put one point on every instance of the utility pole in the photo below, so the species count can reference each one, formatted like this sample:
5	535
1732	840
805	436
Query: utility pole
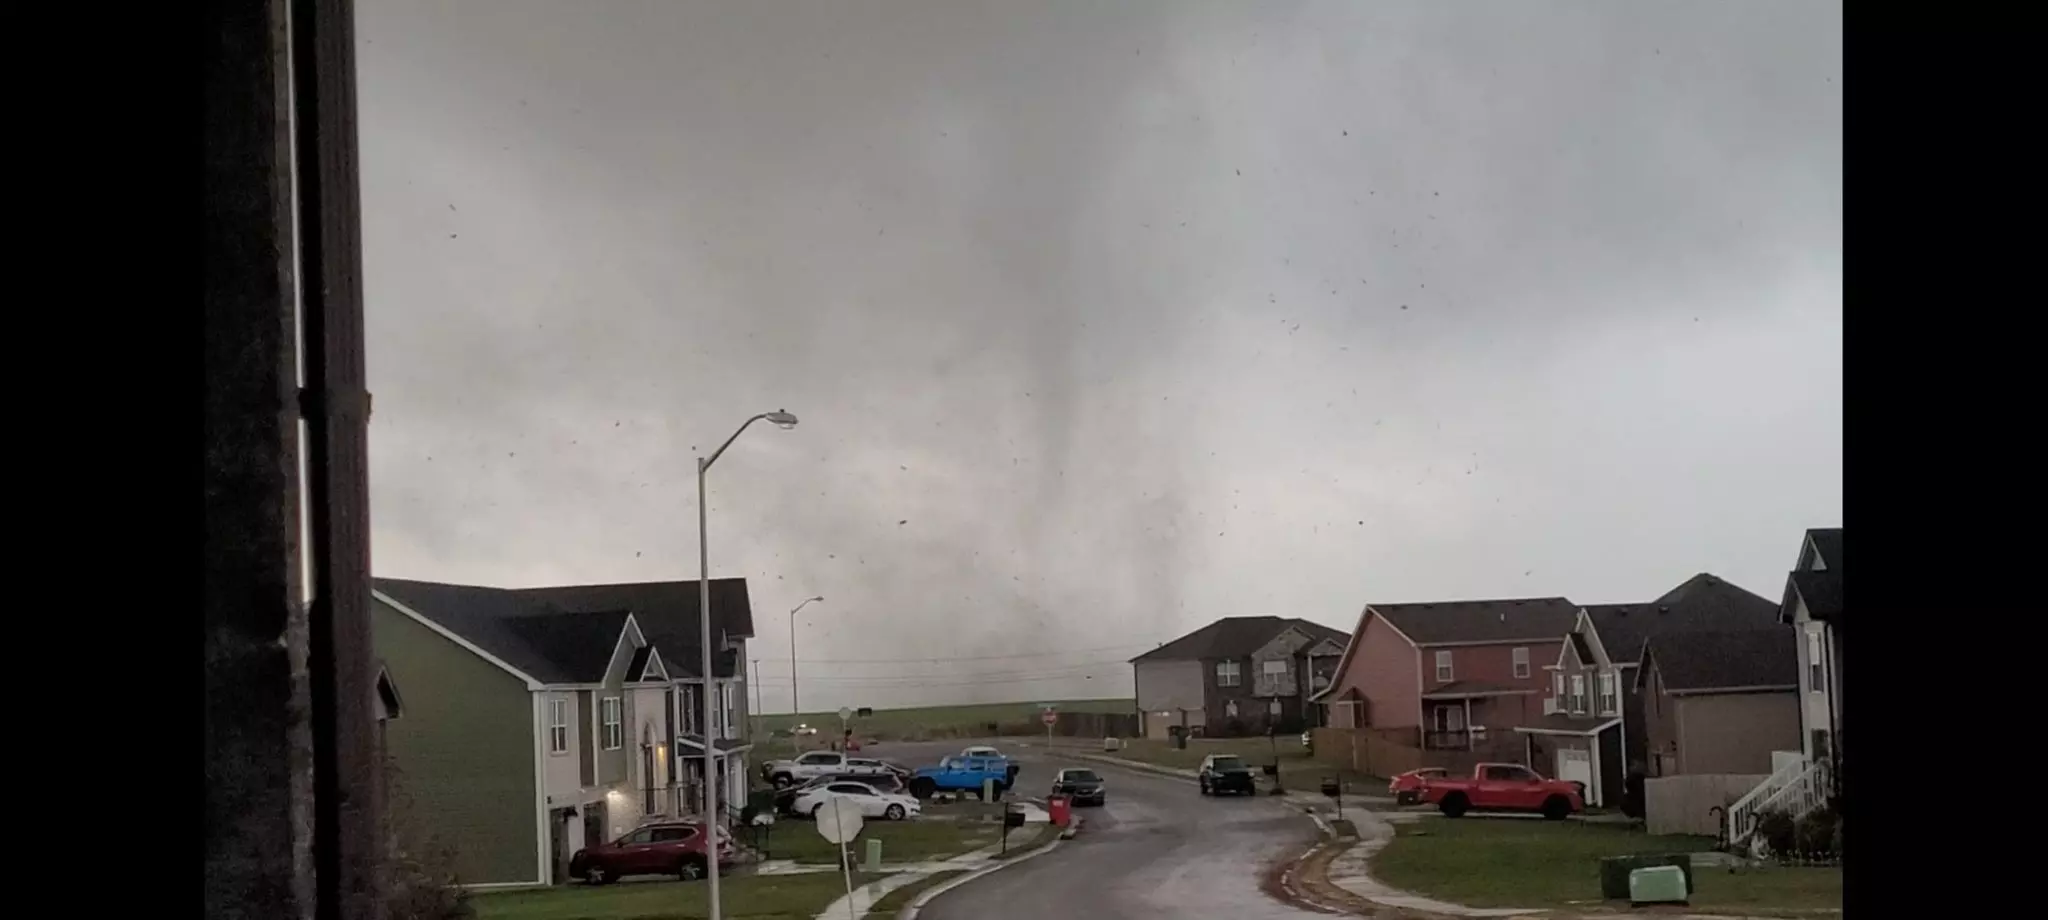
754	731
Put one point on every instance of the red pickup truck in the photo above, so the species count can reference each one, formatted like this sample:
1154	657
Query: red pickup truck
1503	787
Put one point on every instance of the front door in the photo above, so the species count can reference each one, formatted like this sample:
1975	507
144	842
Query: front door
558	844
594	824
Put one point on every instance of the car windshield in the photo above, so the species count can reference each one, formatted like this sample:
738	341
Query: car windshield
1227	763
1083	776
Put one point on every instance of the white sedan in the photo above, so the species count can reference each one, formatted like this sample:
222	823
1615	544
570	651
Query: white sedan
873	804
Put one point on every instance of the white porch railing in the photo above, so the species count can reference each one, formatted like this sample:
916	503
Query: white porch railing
1799	787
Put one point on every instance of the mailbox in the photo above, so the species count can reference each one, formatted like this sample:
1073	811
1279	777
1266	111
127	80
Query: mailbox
1271	769
1330	787
1013	818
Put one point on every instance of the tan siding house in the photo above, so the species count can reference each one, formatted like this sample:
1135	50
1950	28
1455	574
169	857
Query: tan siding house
1720	702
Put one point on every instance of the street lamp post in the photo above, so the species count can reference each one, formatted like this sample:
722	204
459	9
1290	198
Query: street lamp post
794	709
781	419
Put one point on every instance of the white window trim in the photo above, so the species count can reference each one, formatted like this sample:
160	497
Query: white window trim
1557	689
1816	666
1610	699
1579	692
1229	674
1274	667
1521	659
1445	670
613	710
558	727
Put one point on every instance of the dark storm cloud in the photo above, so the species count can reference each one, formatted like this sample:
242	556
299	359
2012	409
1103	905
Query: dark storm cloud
1103	319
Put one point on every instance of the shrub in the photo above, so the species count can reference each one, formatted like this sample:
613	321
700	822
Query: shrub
1818	833
1778	832
419	878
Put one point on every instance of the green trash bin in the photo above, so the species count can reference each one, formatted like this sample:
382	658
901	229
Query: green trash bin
1614	872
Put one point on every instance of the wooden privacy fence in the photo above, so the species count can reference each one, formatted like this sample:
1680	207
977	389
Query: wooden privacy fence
1685	804
1374	753
1079	725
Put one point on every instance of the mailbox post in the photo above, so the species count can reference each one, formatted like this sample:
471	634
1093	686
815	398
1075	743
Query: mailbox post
1335	790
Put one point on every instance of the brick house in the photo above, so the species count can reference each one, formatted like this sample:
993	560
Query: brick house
1592	726
1236	676
1721	702
1448	676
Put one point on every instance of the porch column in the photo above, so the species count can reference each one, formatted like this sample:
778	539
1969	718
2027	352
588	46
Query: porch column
1468	723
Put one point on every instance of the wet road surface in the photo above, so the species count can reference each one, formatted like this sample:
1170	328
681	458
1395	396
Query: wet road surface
1158	849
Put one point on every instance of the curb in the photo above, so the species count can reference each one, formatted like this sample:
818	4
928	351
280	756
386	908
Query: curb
1133	765
916	905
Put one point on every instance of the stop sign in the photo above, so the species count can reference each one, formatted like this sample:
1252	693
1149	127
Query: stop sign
1049	717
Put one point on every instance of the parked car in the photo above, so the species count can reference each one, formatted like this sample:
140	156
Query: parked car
980	750
1221	773
961	773
784	773
661	848
785	798
873	767
1407	787
874	803
1083	786
1504	787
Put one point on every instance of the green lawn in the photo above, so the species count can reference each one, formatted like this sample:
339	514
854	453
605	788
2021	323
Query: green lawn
778	897
902	841
1298	771
1515	862
936	721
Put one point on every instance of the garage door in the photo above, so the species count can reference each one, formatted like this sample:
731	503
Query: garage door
1576	767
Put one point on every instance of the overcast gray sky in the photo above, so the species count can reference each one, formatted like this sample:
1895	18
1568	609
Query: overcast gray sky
1103	320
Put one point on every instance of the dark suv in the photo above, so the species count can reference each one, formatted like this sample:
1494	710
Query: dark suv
662	848
1223	773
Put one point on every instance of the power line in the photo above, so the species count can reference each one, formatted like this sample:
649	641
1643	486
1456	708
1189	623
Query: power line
1072	651
914	679
911	685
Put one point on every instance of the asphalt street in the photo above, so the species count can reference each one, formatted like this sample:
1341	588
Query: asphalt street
1158	849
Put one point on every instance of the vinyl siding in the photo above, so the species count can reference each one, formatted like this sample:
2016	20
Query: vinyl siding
1735	732
463	753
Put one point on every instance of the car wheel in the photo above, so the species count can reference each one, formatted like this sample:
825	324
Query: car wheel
1204	784
923	787
690	870
894	813
1556	808
597	875
1454	805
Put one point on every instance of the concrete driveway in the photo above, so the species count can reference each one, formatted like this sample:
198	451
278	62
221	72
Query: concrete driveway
1157	850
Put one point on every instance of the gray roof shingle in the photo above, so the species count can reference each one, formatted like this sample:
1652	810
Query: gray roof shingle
667	614
1236	637
1703	603
1529	619
547	643
1750	658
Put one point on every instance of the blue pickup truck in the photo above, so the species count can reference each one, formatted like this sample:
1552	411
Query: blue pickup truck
963	773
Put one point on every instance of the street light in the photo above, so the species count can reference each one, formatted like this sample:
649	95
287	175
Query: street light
794	709
780	419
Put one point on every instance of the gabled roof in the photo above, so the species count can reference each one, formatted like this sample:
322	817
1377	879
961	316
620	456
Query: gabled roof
1236	637
1703	603
647	664
666	612
1527	619
541	641
1705	662
1817	579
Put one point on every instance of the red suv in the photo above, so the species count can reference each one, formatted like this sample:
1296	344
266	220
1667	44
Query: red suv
663	848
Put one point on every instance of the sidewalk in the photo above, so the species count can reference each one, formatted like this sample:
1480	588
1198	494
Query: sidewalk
863	898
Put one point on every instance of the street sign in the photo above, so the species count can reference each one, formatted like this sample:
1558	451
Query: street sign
1050	718
839	821
845	713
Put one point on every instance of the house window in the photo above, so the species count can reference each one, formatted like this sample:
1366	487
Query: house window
1579	692
1274	668
725	706
1273	708
558	726
1227	674
1816	681
1557	688
1608	704
1521	662
693	708
1443	665
614	711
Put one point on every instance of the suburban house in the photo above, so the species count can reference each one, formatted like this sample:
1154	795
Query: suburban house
1720	702
1238	675
1456	675
543	720
1592	727
1813	606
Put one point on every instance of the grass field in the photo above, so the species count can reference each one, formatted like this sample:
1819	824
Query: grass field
936	721
1297	769
1511	862
756	897
892	903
